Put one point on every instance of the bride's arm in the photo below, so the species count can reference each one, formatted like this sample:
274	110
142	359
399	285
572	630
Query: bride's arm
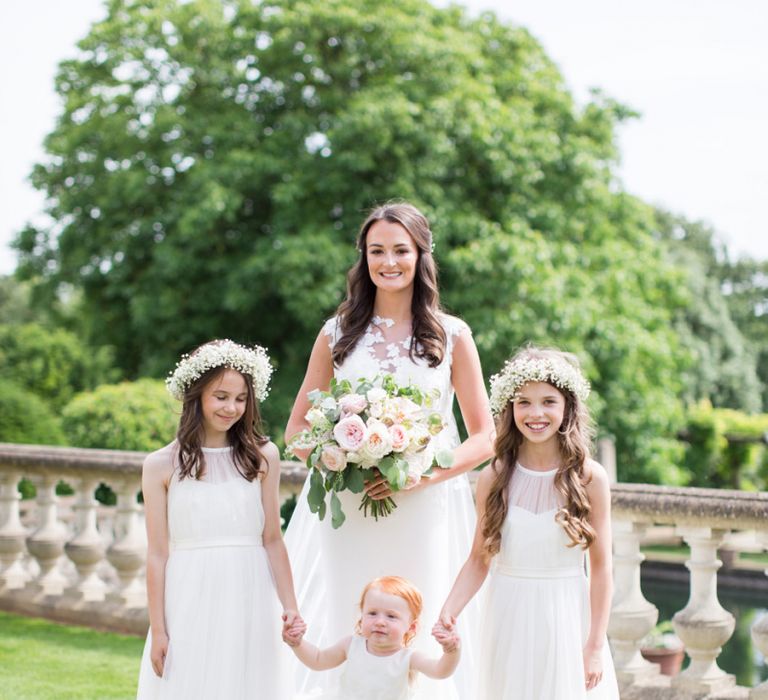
467	380
318	376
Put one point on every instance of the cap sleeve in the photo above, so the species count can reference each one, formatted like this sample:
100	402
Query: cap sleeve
331	331
454	327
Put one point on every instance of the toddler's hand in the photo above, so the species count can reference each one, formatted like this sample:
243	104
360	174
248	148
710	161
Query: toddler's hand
448	639
294	628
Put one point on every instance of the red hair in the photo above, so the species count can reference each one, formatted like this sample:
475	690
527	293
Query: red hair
402	588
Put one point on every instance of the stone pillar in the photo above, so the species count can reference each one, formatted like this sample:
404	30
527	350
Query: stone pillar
12	533
632	616
703	625
86	548
760	636
128	550
46	543
606	455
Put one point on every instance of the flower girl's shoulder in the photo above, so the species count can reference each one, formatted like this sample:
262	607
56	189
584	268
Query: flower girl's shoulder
160	463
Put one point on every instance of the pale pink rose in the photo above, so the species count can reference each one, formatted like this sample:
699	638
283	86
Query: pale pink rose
350	433
353	403
333	458
378	442
399	437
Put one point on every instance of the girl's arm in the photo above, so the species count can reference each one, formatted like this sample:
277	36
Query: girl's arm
475	569
467	380
272	536
155	475
446	664
600	580
318	376
322	659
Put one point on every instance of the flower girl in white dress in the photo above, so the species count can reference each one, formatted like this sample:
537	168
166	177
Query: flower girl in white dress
216	554
540	504
377	661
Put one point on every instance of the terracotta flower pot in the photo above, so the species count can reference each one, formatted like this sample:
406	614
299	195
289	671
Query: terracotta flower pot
670	660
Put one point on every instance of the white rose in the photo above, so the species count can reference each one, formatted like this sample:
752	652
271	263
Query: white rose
376	395
317	419
378	442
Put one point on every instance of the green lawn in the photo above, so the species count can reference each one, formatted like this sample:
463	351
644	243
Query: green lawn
41	660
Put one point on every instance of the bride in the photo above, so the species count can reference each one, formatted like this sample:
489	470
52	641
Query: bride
391	323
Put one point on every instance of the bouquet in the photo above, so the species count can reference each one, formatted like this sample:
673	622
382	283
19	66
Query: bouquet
377	429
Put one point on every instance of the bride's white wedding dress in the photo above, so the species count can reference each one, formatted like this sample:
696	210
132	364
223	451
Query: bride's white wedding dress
426	539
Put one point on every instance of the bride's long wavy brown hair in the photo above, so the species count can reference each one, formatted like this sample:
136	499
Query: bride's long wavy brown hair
245	436
428	338
574	437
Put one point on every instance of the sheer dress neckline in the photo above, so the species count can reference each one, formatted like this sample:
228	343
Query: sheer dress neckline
533	490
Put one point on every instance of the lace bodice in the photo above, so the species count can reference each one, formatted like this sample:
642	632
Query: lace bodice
384	349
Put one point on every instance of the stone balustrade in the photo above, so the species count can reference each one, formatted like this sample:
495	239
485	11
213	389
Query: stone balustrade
82	562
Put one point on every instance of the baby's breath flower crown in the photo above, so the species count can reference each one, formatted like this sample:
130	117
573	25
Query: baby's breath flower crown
530	368
253	362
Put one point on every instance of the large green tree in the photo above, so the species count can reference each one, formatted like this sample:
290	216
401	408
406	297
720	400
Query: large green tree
214	158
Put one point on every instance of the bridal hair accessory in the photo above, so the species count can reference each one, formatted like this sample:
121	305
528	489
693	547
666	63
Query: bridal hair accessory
253	362
530	368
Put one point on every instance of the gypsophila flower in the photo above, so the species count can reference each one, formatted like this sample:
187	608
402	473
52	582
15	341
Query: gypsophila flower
528	368
252	362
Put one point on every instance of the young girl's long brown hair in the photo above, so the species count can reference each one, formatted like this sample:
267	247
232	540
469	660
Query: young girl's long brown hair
428	338
574	439
245	436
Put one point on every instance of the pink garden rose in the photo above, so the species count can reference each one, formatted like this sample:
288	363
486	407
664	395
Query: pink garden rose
334	458
349	432
353	403
399	437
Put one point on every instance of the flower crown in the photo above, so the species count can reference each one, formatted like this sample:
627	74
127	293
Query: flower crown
529	368
253	362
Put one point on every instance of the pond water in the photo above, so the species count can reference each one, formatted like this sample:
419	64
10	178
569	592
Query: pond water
739	656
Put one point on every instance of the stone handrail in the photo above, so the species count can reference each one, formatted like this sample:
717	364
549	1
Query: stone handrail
84	564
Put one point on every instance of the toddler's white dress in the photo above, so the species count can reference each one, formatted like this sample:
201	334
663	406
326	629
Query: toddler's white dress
536	616
426	539
365	676
221	608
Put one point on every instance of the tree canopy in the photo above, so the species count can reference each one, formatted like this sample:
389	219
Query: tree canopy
214	159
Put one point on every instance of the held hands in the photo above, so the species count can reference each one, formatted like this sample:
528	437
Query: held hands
593	666
294	628
157	653
446	637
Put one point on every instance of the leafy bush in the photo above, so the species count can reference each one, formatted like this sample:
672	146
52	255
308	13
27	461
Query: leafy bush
25	418
136	415
53	363
725	448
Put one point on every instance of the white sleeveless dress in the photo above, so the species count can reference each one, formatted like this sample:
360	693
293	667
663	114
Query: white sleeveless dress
536	616
365	676
426	539
221	608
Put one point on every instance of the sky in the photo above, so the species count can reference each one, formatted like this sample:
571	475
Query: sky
696	70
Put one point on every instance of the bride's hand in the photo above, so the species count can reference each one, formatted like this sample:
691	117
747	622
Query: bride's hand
158	652
378	489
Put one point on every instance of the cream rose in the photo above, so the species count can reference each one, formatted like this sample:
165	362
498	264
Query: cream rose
350	432
333	458
377	443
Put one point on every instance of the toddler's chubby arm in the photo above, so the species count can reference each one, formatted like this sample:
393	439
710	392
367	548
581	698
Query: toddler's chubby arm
446	664
310	655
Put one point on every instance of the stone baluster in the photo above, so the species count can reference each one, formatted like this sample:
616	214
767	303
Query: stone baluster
86	548
12	534
46	543
632	616
760	635
703	625
127	551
